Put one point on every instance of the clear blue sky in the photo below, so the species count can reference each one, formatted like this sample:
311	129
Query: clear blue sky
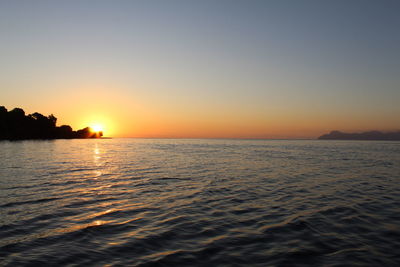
205	68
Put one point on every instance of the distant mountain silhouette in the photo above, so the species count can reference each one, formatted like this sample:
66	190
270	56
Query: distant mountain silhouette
372	135
15	125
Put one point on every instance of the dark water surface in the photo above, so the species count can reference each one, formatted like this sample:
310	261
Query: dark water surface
199	202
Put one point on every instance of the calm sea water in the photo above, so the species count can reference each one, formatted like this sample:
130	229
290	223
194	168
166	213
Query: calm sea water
199	202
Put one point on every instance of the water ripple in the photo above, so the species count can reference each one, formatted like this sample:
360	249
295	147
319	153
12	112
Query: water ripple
132	202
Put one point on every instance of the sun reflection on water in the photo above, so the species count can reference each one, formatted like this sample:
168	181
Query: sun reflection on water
98	222
97	160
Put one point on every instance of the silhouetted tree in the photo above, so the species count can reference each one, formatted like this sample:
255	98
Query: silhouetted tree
15	125
64	131
3	122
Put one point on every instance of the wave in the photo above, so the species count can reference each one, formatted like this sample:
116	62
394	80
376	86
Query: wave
198	203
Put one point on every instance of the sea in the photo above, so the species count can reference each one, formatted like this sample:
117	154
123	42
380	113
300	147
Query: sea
199	202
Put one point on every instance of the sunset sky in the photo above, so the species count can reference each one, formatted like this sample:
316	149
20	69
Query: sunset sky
234	69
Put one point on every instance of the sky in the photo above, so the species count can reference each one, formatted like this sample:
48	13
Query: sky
204	69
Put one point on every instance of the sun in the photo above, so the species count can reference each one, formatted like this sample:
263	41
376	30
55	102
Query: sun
97	127
98	124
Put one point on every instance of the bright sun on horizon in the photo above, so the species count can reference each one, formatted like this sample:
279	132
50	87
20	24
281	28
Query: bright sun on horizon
97	122
97	127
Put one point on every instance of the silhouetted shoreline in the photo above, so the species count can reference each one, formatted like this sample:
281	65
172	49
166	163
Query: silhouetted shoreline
15	125
371	135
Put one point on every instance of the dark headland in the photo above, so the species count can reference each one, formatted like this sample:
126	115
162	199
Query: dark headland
15	125
371	135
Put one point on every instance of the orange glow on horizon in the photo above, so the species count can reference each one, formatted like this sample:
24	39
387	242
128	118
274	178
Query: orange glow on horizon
108	109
